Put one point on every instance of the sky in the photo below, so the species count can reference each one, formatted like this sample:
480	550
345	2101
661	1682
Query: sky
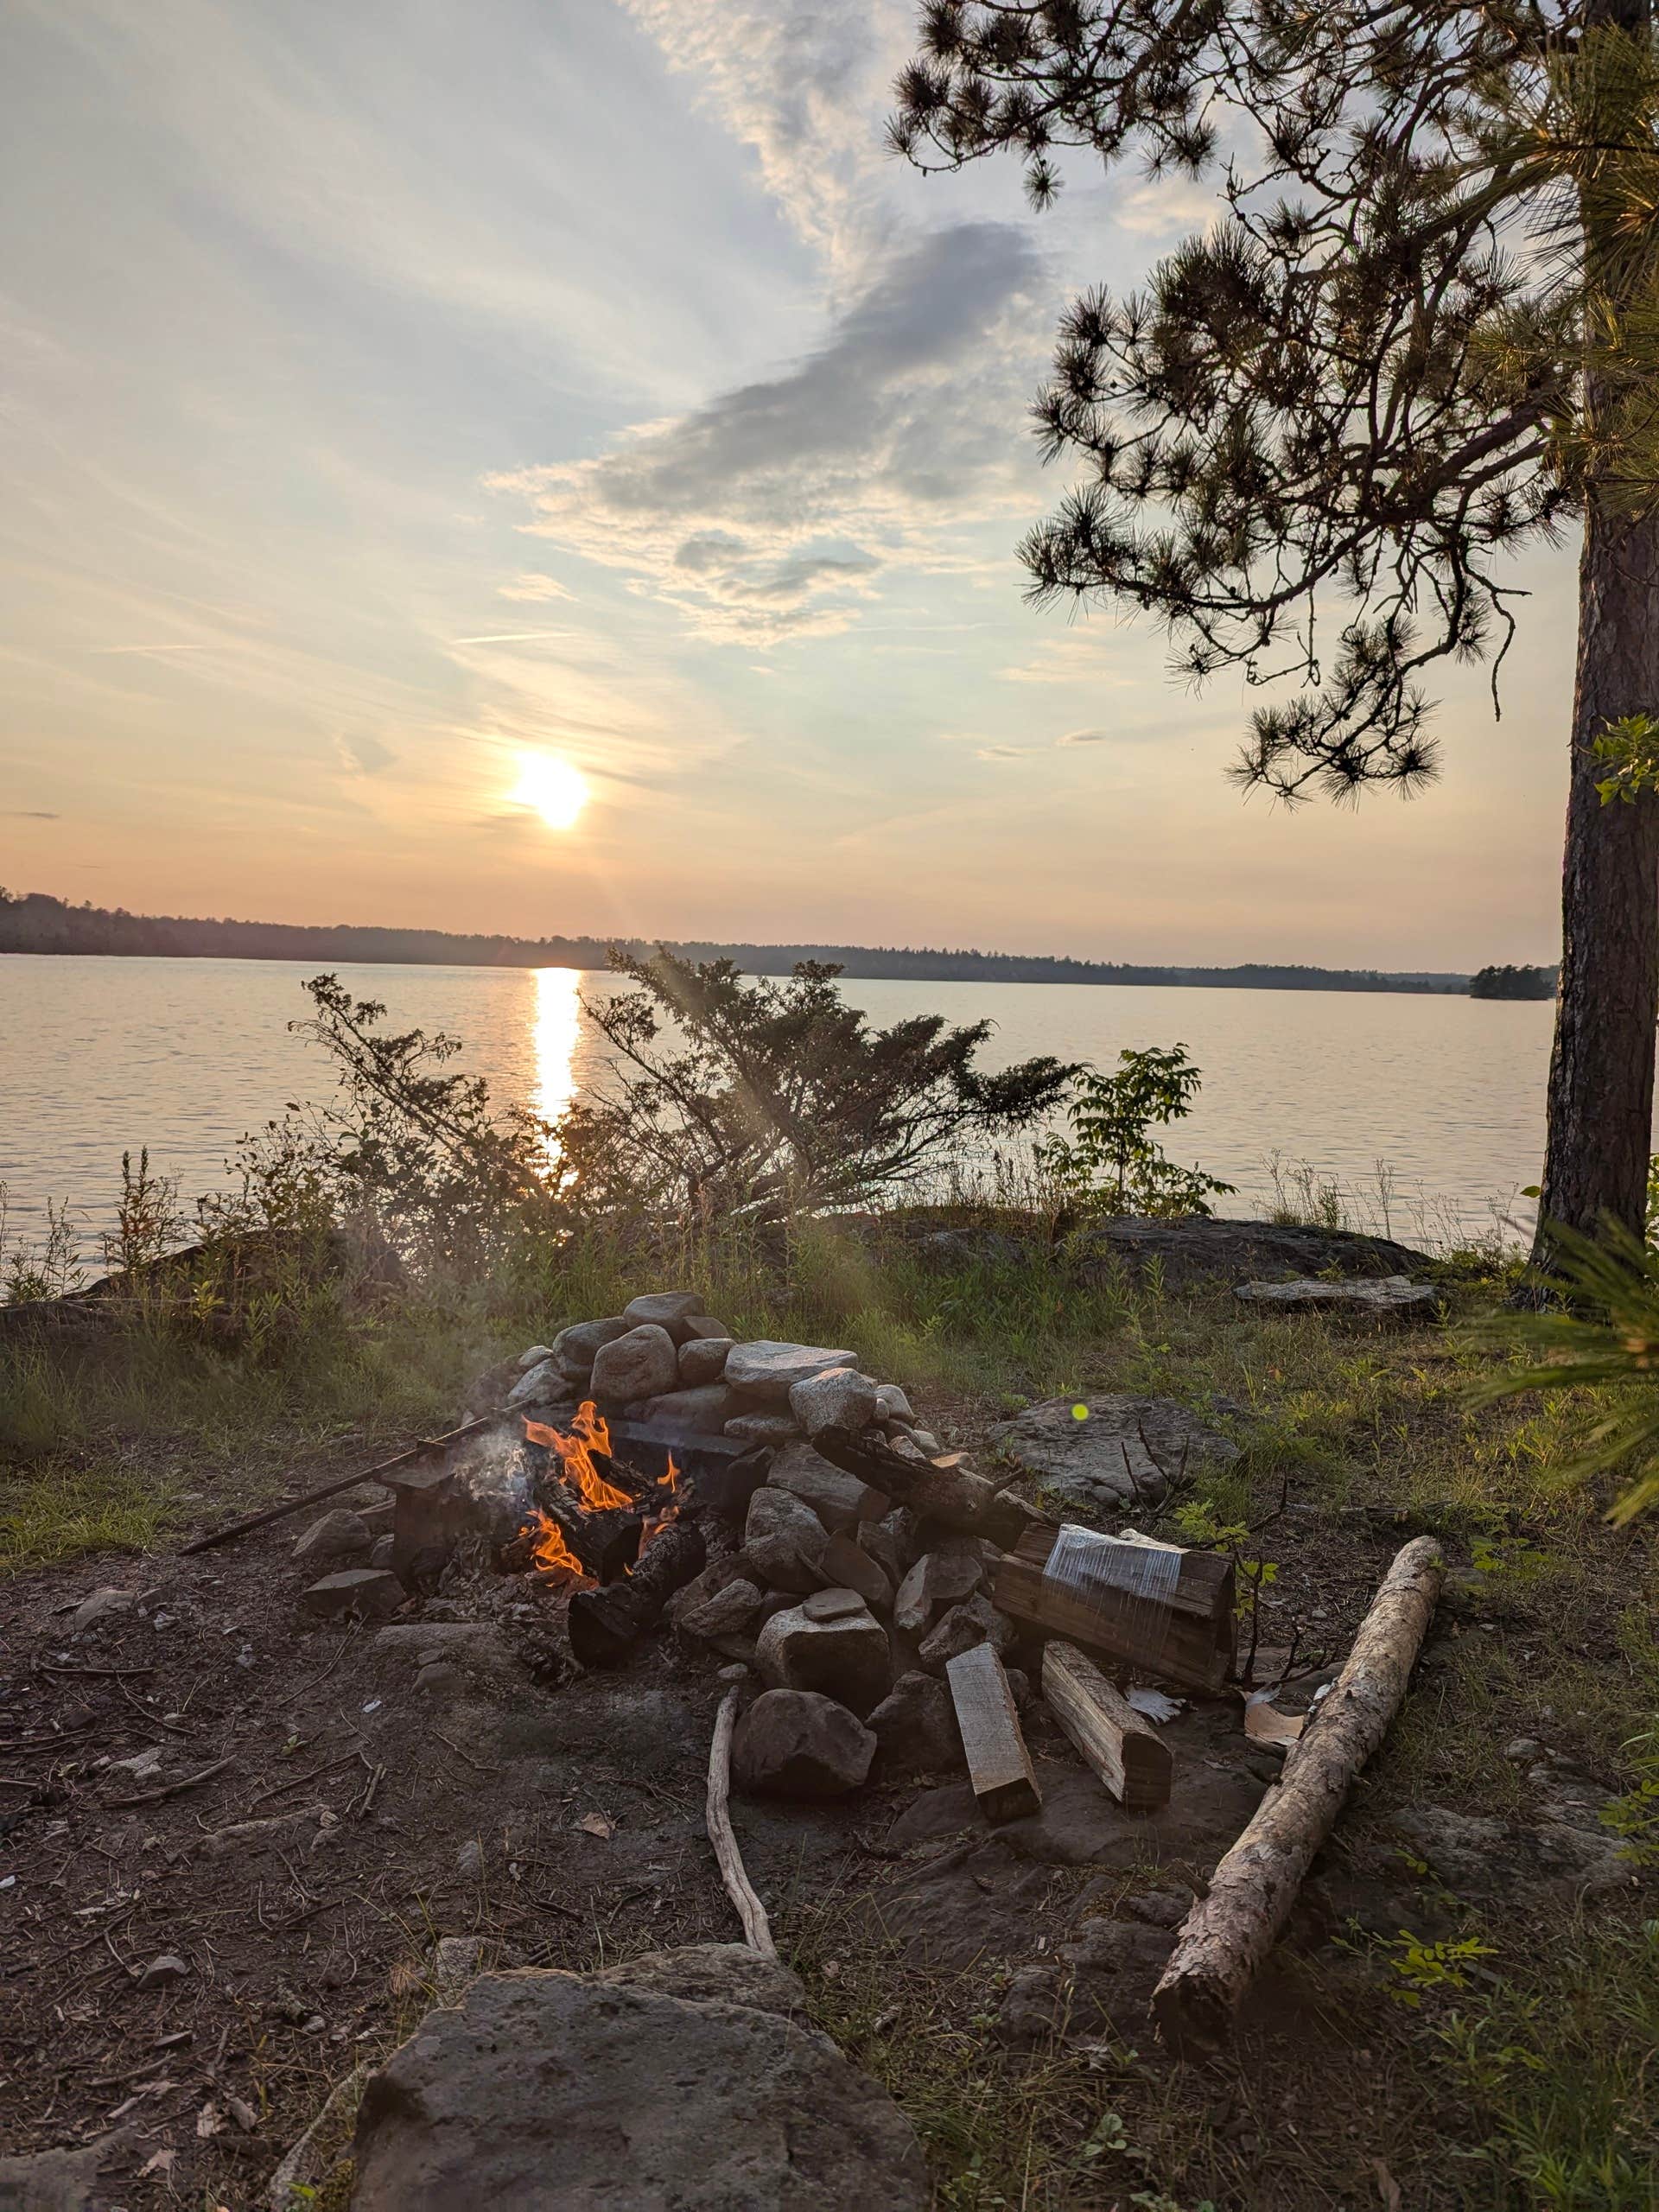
392	392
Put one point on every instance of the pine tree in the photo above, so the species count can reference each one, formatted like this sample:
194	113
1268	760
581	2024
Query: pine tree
1422	332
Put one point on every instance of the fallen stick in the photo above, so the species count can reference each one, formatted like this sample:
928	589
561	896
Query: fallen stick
757	1928
234	1528
1225	1937
167	1789
947	1493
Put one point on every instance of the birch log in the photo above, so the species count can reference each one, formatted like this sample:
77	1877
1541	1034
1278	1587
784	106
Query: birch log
1225	1937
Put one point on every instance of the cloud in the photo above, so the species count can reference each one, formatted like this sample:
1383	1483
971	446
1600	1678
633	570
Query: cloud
772	509
1001	752
363	755
531	585
30	814
1084	737
1166	206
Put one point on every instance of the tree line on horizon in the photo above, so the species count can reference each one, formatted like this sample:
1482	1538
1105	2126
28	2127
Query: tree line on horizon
37	922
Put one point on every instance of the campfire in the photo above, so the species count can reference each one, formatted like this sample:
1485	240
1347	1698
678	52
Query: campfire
590	1490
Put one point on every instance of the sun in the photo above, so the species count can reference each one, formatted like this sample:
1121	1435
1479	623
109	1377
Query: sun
557	790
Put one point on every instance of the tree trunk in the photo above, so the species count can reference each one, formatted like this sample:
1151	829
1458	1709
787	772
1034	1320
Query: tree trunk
1600	1135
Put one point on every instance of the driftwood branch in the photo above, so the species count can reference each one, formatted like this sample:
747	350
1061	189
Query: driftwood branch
1227	1935
757	1928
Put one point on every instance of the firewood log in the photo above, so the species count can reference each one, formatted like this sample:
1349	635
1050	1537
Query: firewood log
1184	1634
1124	1749
951	1496
1225	1937
606	1625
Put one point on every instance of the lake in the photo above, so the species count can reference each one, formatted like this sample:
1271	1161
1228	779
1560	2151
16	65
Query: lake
183	1056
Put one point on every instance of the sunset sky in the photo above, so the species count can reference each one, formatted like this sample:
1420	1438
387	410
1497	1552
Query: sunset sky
396	388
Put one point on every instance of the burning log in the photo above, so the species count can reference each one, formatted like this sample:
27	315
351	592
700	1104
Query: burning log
1166	1611
949	1495
606	1624
605	1545
1230	1932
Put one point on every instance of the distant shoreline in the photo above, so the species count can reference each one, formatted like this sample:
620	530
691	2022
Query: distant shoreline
37	923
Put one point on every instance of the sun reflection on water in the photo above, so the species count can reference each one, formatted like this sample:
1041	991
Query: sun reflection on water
558	1029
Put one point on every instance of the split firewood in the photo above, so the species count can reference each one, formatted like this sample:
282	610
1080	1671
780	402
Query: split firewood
947	1494
1227	1935
757	1928
604	1624
1174	1620
1124	1749
998	1765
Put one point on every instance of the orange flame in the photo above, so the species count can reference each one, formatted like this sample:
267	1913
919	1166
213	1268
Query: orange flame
551	1551
588	1433
668	1499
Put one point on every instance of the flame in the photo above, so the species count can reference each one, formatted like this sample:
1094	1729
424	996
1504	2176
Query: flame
588	1433
551	1551
668	1500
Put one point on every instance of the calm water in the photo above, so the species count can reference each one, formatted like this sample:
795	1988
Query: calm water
184	1055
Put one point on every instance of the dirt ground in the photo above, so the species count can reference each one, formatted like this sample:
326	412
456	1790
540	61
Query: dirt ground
230	1839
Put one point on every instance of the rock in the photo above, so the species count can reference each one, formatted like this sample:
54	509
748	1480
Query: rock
1124	1452
339	1535
374	1591
1489	1859
381	1551
1191	1250
1394	1297
702	1325
848	1567
664	1309
469	1860
702	1360
841	1500
731	1612
879	1542
783	1541
101	1605
439	1680
701	1412
546	1385
839	1398
379	1517
455	1962
1160	1908
926	1443
54	2181
577	1347
711	1973
543	2088
797	1744
892	1404
915	1730
832	1643
644	1363
763	1428
1522	1748
978	1621
1034	2007
167	1968
939	1579
766	1372
534	1357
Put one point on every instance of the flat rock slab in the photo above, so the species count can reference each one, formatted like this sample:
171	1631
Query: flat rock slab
1390	1298
371	1590
766	1371
1187	1252
544	2089
1120	1451
52	2181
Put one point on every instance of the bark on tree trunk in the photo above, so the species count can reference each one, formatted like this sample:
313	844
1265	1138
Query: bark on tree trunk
1601	1072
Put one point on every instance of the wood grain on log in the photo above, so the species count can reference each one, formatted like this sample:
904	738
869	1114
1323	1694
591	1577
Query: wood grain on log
1123	1749
1186	1635
998	1765
950	1494
1227	1935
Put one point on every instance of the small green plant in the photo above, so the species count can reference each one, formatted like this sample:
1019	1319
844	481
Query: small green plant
1425	1968
1111	1163
1629	748
1634	1816
48	1268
